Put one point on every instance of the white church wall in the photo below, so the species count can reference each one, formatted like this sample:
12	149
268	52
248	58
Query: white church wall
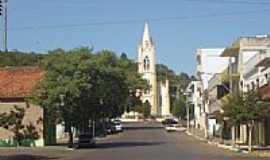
165	99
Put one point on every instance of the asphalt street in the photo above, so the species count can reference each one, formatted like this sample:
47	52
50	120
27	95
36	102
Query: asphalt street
148	141
139	141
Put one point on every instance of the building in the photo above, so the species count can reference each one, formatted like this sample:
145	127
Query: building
15	85
255	75
209	63
158	93
249	70
164	99
215	91
196	108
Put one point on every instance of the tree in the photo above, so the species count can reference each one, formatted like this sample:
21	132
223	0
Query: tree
246	109
80	86
16	58
179	108
124	56
66	79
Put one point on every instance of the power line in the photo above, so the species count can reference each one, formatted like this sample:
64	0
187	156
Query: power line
132	21
242	2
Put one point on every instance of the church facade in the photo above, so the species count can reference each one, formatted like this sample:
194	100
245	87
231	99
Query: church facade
158	92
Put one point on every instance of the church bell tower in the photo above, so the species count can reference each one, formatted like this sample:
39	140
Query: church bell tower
147	67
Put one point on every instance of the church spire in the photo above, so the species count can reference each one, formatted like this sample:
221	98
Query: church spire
146	34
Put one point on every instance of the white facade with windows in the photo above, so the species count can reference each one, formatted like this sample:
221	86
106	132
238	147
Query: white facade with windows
195	98
209	63
254	74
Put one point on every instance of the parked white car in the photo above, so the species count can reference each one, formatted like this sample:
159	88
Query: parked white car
174	128
117	126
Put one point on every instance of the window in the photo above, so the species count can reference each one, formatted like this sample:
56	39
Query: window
248	87
253	85
257	82
267	78
241	84
146	63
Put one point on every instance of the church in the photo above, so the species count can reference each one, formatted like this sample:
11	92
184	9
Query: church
158	93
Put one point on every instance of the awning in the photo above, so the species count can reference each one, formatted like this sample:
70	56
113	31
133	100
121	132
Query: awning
230	52
264	63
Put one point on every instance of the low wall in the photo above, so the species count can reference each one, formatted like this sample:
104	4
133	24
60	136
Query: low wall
33	117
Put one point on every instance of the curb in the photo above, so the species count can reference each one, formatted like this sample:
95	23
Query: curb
217	144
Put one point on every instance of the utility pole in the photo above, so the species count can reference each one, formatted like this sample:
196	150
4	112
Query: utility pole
230	74
5	25
187	115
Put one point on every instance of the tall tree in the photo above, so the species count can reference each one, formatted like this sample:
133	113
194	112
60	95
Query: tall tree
246	109
80	86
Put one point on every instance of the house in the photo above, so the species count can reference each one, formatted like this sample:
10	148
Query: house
196	108
209	63
255	75
16	83
247	71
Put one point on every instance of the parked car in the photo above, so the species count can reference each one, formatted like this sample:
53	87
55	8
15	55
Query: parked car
86	140
171	125
169	121
174	127
117	126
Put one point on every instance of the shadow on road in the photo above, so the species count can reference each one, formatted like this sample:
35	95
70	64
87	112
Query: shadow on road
142	128
106	145
27	157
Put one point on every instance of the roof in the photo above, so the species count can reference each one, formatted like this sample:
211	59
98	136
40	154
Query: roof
264	63
19	81
232	50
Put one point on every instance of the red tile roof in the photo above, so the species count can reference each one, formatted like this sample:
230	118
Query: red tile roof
19	81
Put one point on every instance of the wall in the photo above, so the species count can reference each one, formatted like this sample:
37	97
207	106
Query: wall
33	114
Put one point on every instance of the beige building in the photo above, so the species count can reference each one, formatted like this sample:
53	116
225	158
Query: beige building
15	84
250	54
158	93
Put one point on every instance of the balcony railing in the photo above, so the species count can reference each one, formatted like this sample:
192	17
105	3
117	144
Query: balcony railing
250	65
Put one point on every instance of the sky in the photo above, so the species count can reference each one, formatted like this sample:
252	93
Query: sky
178	27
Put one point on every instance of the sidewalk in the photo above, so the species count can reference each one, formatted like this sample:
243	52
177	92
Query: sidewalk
226	144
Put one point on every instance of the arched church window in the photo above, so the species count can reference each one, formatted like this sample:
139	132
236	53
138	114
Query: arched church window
146	63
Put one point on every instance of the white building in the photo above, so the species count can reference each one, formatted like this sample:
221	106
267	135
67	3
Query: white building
196	105
164	99
253	73
251	70
158	93
209	63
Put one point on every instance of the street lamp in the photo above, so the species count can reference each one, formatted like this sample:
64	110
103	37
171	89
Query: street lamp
62	96
187	94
